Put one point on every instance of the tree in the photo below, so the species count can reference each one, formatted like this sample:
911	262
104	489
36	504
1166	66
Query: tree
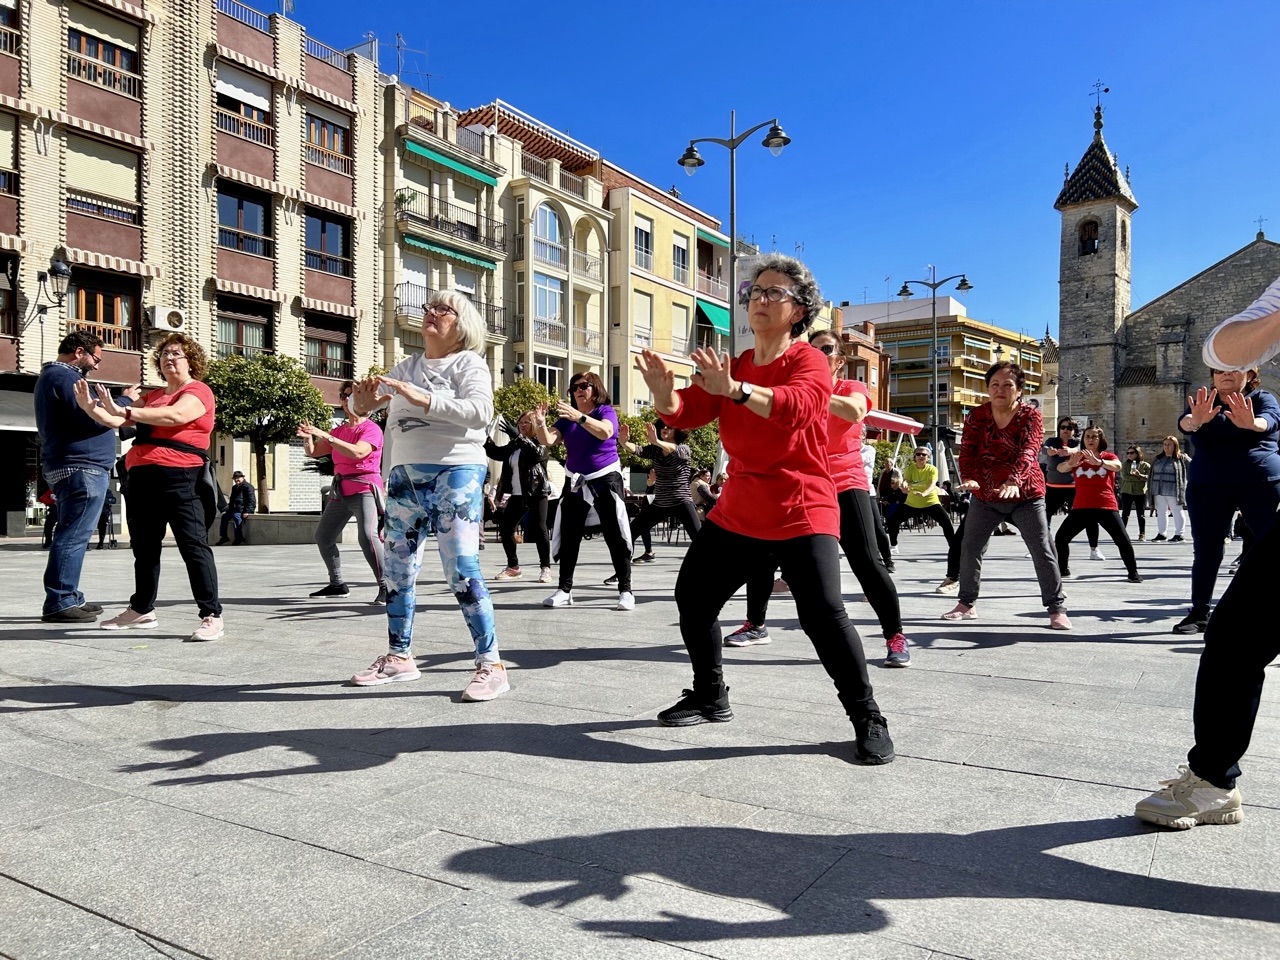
703	443
263	399
516	399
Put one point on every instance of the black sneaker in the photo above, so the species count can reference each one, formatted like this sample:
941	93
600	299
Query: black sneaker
222	543
611	580
1158	538
71	615
1192	623
1177	538
646	557
694	708
1135	577
332	590
872	744
382	595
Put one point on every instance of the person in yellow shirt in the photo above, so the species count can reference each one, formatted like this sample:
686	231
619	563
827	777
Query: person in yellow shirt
920	484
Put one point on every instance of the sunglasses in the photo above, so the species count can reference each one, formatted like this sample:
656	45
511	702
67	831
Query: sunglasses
922	456
583	385
828	348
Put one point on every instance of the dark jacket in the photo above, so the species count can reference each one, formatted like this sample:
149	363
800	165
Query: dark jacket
533	470
1226	454
243	499
69	436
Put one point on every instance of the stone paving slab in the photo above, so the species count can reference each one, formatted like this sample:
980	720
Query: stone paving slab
236	799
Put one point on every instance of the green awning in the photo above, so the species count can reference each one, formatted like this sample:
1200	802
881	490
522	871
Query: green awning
451	163
450	252
712	238
715	315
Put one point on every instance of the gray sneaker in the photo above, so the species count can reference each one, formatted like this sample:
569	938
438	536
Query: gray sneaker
747	635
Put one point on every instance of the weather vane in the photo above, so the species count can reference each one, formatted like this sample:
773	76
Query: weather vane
1099	88
1260	221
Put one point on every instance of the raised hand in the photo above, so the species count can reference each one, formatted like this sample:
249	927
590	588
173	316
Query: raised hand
364	395
567	410
415	395
713	372
1240	411
1202	406
305	430
624	433
651	432
108	402
133	392
659	379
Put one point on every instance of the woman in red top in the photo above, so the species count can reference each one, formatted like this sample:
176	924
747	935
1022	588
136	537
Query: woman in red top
168	482
1095	501
779	505
849	404
999	460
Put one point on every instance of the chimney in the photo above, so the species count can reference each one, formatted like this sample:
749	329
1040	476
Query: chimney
869	329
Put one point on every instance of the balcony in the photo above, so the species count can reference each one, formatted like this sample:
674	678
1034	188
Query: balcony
551	331
8	323
680	272
422	117
411	298
11	44
104	225
328	69
318	366
713	287
239	126
113	336
572	183
470	141
320	157
589	341
223	349
642	337
245	30
328	263
708	339
680	346
101	93
585	265
531	166
644	257
104	75
551	253
9	201
458	222
246	242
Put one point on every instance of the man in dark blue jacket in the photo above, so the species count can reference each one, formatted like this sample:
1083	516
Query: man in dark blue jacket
77	454
242	502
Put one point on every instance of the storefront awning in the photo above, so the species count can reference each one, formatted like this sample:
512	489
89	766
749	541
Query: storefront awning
17	411
450	252
712	238
452	164
715	315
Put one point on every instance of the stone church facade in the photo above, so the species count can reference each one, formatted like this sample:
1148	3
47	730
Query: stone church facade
1131	371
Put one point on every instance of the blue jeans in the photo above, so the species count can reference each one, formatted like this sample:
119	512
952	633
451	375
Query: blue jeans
80	498
236	519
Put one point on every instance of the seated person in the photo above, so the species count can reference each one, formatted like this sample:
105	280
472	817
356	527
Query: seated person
242	502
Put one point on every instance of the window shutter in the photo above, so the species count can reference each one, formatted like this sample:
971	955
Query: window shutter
103	170
107	28
8	141
245	87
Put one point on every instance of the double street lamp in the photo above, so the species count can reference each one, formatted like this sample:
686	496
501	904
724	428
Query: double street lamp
933	283
775	140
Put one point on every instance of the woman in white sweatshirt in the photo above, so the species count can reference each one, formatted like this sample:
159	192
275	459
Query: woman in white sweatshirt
441	403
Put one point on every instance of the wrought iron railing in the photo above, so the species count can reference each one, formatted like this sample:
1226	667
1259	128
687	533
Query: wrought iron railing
104	207
321	157
452	219
421	116
572	183
104	75
328	263
246	242
412	298
322	51
224	349
322	366
241	126
550	331
534	167
238	11
588	340
471	141
585	265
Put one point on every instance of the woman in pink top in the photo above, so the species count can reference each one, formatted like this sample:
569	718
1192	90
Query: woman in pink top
356	447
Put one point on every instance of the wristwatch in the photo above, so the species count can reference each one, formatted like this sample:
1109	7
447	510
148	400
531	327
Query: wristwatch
582	419
745	389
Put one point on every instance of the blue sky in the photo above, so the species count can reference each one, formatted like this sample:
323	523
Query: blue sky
923	132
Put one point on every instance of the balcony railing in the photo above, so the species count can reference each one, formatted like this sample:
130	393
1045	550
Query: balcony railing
321	51
104	75
9	182
680	272
585	265
113	335
680	346
710	340
572	183
10	41
104	207
642	337
644	258
550	331
328	263
319	366
224	349
238	11
533	167
246	129
411	298
588	340
550	252
421	116
470	141
337	162
454	220
713	287
246	242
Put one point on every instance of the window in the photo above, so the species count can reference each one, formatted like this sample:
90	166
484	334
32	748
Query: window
644	243
1124	235
615	382
944	351
680	259
642	319
102	180
9	36
327	346
547	371
465	282
327	245
328	139
103	50
244	327
8	315
679	329
244	220
1088	237
548	297
244	105
105	304
548	243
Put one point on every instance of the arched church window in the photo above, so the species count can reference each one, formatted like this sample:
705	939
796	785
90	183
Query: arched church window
1088	237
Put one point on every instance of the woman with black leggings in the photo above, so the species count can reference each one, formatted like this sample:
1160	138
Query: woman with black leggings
920	484
849	404
523	487
670	456
779	506
1095	500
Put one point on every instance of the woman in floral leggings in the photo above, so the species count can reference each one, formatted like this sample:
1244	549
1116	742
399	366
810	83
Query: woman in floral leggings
441	403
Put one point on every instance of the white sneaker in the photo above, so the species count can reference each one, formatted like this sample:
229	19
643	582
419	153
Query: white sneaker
1027	555
559	599
626	601
210	629
948	586
1186	800
894	551
1096	554
545	575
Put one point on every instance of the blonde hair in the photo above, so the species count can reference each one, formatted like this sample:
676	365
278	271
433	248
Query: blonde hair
1177	447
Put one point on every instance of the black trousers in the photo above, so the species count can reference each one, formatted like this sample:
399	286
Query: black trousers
573	519
1058	498
651	514
161	497
1109	520
882	535
857	540
1135	502
937	512
719	562
510	518
1237	648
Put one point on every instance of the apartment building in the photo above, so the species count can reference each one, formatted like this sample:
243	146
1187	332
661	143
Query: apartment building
668	287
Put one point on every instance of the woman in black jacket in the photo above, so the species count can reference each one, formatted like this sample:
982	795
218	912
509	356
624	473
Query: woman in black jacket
522	487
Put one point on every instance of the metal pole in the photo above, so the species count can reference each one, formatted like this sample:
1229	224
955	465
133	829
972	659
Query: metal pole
733	236
934	301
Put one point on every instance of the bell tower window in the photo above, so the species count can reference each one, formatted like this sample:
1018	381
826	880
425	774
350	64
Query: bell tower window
1088	238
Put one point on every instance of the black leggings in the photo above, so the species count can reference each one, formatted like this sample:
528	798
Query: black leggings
573	519
1134	502
719	562
882	535
857	539
937	511
510	518
651	514
1108	520
1055	498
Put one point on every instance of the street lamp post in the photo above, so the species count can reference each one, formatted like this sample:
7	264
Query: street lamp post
775	140
933	283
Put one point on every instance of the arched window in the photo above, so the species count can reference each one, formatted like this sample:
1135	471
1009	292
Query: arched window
548	236
1088	237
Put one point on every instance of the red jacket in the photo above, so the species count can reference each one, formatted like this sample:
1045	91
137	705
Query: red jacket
993	456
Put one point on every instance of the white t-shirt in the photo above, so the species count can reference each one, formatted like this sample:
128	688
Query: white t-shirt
869	464
454	430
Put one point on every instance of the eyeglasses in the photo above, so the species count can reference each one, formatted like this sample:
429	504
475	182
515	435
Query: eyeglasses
440	309
174	355
771	294
1066	426
1133	453
828	348
95	357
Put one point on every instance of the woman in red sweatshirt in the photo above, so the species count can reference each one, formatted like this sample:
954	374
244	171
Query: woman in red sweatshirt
779	506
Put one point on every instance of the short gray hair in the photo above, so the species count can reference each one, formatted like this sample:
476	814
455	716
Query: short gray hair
471	331
803	285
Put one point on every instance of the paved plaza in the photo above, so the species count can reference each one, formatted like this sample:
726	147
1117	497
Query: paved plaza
237	800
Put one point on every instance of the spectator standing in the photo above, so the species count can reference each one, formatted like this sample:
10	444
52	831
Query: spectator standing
1133	489
667	451
1168	488
241	503
524	485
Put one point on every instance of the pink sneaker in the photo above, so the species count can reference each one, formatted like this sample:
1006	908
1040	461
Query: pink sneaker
489	682
130	620
210	629
510	573
961	612
1059	621
388	668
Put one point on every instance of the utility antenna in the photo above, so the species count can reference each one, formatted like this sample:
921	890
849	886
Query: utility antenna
864	296
773	238
424	77
799	247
